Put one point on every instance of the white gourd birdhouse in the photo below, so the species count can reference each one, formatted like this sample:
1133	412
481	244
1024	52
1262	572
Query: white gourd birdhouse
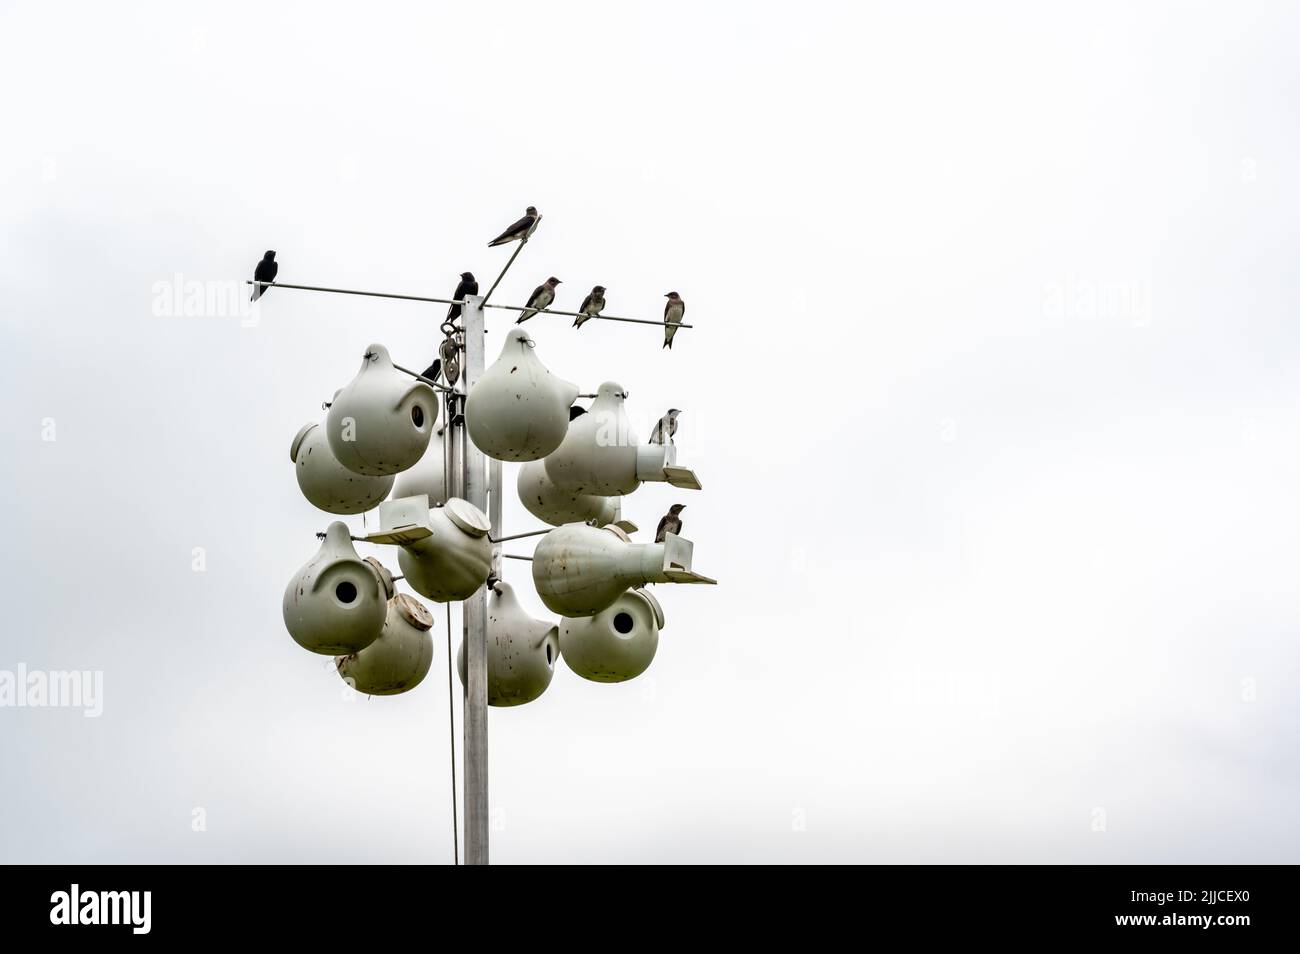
427	475
518	410
453	558
598	455
325	482
557	507
381	422
602	455
580	570
400	658
336	603
616	644
521	651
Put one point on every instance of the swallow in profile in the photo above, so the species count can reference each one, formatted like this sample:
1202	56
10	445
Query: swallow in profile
671	523
541	297
592	305
673	312
520	230
467	286
666	428
265	272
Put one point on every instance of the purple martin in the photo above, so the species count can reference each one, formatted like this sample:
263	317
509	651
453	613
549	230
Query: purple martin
671	523
666	428
541	297
467	286
265	272
520	230
593	304
673	312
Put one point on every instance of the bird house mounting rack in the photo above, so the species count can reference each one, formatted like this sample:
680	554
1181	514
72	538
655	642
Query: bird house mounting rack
426	449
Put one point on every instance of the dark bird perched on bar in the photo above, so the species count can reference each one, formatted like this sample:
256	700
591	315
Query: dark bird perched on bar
265	272
592	305
541	297
520	230
673	312
671	523
467	286
666	428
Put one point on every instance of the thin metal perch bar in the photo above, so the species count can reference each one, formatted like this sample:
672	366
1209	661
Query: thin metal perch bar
459	301
519	248
520	536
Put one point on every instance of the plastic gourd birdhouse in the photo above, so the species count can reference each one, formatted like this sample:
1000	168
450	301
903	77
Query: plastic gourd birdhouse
598	455
335	604
616	644
325	482
521	651
381	422
557	507
400	658
427	475
601	454
580	570
518	410
452	559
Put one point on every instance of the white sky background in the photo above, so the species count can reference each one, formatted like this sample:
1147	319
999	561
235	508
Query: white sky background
992	556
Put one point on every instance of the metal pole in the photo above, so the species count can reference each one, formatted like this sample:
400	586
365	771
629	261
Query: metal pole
475	616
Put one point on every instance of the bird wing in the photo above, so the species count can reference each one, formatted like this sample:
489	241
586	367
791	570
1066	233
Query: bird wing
586	304
663	525
517	229
537	294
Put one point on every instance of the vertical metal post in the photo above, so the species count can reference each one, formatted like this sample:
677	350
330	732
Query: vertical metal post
475	616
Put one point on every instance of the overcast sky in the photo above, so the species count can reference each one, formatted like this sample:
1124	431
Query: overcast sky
992	393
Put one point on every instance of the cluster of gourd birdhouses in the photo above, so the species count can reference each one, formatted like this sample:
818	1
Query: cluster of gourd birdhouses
382	447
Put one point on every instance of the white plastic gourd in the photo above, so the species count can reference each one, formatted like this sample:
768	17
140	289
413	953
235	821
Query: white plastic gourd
400	658
381	422
599	451
335	604
580	570
521	651
616	644
427	475
326	483
453	561
555	506
518	410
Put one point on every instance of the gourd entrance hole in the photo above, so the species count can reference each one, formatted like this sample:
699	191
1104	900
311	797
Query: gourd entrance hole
417	415
623	623
346	592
